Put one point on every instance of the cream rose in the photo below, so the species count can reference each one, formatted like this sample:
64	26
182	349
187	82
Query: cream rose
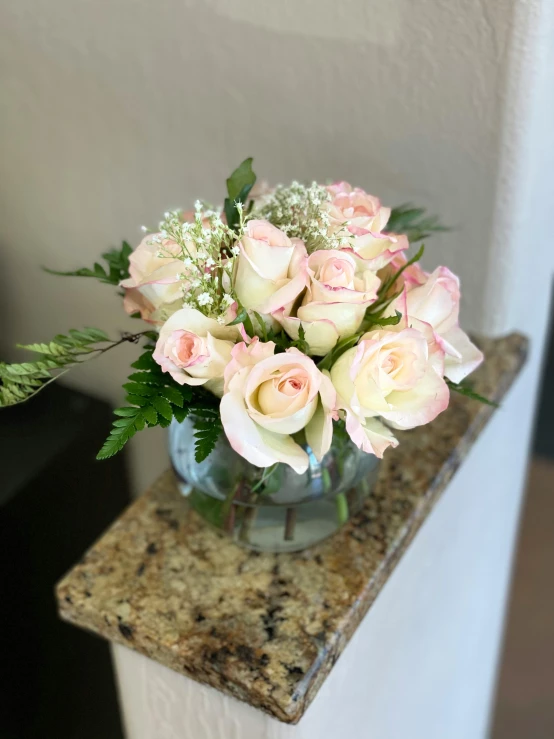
355	207
268	397
195	349
154	287
388	374
432	301
271	269
361	218
335	302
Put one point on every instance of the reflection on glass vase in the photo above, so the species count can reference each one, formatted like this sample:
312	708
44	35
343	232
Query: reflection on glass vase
273	509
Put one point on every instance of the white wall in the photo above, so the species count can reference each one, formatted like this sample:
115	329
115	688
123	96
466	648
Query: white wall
112	111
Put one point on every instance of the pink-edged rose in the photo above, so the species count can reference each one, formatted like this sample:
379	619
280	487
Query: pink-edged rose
375	250
335	302
432	301
154	286
268	397
356	208
388	374
361	218
271	269
195	349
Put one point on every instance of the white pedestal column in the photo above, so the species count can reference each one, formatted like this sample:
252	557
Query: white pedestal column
422	663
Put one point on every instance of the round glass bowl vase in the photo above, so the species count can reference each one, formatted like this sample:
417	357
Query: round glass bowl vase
273	509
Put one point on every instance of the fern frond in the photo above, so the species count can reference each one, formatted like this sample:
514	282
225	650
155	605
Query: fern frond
20	381
154	399
206	433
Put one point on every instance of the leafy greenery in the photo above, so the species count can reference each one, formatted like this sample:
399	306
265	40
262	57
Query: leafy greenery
244	318
20	381
239	185
340	347
406	219
300	343
208	427
465	388
116	269
373	321
387	284
154	399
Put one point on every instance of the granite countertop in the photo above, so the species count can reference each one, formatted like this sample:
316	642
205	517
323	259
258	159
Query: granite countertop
268	628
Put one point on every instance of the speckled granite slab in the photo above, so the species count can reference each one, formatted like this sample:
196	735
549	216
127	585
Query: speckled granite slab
268	628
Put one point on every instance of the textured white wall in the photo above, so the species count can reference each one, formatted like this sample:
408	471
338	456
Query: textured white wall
111	112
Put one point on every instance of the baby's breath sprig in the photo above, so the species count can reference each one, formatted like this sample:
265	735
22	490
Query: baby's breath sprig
302	211
208	251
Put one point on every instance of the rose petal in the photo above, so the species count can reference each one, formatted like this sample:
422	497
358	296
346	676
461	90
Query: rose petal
319	431
257	445
371	435
462	356
418	406
321	335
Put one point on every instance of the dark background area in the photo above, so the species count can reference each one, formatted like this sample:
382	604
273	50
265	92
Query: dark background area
56	681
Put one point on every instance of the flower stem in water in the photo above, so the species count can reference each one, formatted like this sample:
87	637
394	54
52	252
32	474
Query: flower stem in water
228	511
290	523
248	518
342	508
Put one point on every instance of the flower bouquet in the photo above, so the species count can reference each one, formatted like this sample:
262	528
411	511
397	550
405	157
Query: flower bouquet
288	335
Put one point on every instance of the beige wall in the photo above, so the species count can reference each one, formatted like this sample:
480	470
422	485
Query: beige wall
113	111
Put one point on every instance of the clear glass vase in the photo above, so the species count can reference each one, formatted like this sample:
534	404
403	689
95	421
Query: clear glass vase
273	509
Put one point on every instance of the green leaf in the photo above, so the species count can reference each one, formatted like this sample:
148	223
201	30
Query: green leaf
146	362
386	286
147	378
137	400
100	273
206	439
136	388
239	185
173	395
261	322
372	321
20	381
467	390
155	400
117	263
405	219
340	347
243	177
244	318
126	411
162	406
241	316
300	343
180	414
150	415
119	436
